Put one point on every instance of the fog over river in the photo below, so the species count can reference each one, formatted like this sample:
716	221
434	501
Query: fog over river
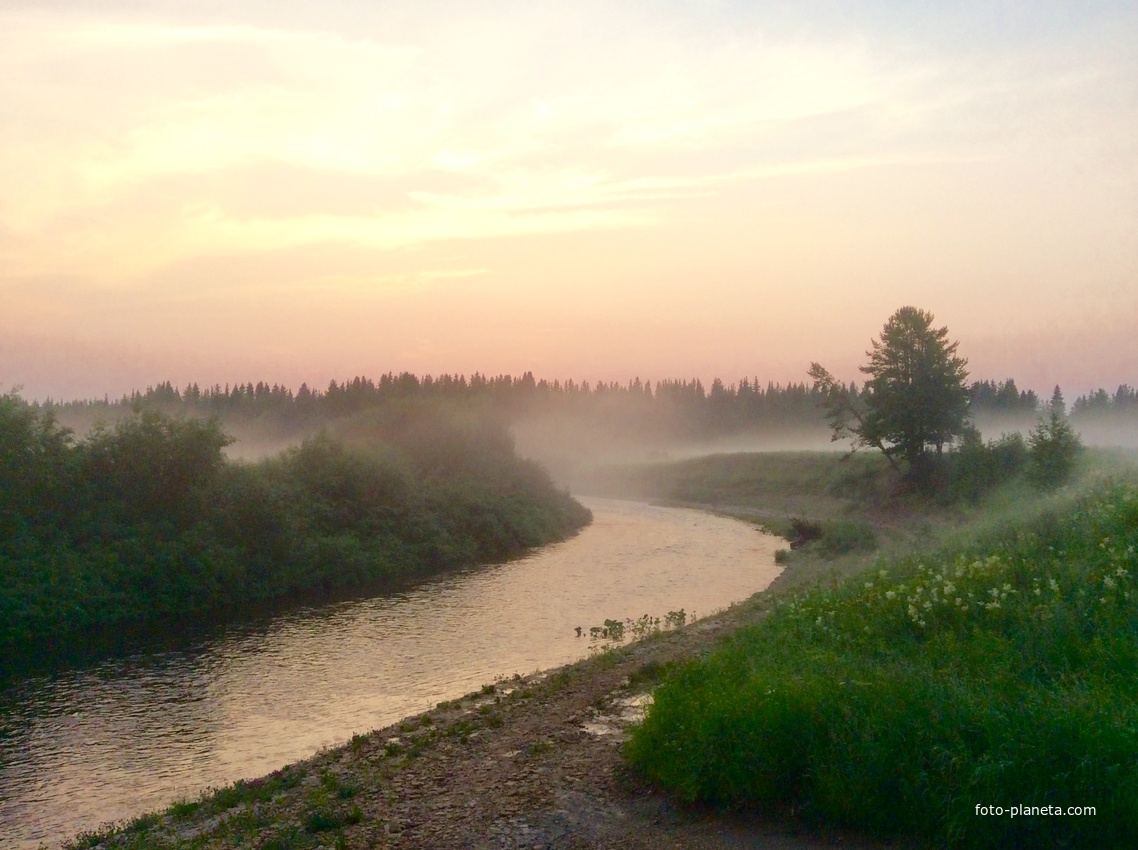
129	735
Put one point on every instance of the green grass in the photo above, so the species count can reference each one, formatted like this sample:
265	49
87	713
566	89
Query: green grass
998	671
756	478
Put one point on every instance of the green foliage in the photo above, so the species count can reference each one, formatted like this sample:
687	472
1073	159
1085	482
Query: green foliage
1054	448
842	537
978	467
997	674
184	809
916	395
615	631
743	479
151	468
35	455
830	538
146	520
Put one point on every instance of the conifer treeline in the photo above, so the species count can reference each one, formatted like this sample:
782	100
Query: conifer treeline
681	406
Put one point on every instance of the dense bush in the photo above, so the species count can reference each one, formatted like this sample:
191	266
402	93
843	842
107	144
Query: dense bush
997	675
977	467
146	520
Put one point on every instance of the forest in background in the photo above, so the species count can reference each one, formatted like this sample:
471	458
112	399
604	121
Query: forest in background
575	428
672	408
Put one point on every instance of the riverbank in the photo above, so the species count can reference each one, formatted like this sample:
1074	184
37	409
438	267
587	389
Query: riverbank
538	762
527	762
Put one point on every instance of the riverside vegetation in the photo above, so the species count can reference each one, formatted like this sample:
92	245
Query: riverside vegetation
988	665
985	658
147	520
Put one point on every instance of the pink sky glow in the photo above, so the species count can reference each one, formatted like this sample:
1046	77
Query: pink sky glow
218	193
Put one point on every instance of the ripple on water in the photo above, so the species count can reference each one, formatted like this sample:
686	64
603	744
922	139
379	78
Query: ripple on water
81	748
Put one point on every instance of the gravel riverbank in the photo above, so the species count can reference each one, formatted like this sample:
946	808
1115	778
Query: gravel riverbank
531	762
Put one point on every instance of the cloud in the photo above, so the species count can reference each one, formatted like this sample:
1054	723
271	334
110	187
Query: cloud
189	120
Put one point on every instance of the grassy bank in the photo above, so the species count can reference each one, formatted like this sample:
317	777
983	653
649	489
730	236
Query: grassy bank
992	665
147	520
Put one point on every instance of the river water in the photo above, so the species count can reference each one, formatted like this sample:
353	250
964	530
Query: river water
114	740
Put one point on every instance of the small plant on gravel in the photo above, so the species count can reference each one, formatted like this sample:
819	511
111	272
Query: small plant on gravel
647	674
279	842
322	820
460	729
537	748
646	625
561	679
495	721
183	809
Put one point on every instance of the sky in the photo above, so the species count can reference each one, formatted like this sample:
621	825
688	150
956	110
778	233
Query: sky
295	192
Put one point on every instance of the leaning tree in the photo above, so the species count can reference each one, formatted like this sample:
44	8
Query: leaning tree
915	398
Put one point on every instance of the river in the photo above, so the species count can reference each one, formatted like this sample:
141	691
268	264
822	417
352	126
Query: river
82	747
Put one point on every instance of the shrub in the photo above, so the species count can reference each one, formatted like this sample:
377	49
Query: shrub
804	531
1054	449
978	467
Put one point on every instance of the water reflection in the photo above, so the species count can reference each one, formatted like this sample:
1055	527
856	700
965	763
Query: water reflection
78	748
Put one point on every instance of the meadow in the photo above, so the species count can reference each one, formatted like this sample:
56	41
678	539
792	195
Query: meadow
984	658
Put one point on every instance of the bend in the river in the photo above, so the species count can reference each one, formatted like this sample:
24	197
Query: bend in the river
83	747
